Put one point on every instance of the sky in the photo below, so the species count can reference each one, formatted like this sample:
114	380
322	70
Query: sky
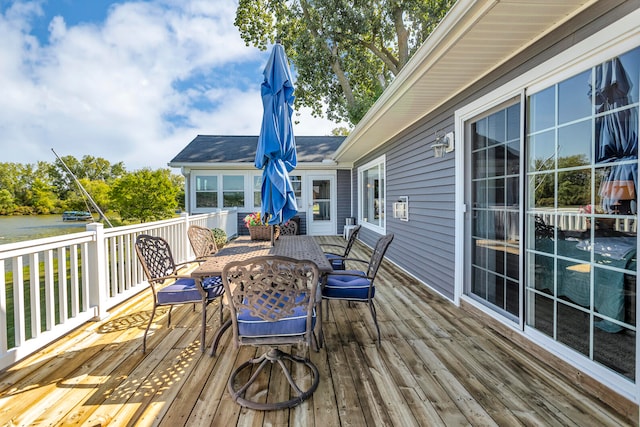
128	81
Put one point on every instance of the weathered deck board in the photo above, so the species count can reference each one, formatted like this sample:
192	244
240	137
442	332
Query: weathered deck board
437	365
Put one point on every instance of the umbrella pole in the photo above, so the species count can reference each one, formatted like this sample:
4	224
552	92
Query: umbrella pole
273	235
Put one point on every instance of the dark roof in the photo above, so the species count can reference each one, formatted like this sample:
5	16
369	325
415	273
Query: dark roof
238	149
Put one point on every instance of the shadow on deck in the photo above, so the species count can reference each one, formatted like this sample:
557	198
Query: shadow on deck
438	365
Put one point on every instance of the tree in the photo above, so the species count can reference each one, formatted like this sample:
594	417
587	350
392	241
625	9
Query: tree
91	168
340	131
144	195
7	202
345	52
97	189
178	183
41	197
9	174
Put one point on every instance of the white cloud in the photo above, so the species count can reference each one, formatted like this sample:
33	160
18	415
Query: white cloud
106	89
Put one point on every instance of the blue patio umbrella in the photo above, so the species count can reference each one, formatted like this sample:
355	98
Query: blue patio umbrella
616	137
276	150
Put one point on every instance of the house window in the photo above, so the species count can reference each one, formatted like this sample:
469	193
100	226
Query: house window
257	191
296	183
206	191
371	179
232	191
582	164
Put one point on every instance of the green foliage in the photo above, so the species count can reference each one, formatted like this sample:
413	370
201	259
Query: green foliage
144	195
89	168
220	236
574	183
41	197
48	188
345	52
340	131
7	203
178	182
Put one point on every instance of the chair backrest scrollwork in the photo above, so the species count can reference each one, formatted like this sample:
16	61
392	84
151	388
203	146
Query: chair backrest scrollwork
202	241
155	256
352	239
378	255
289	229
271	288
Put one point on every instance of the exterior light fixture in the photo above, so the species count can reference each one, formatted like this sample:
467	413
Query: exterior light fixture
443	144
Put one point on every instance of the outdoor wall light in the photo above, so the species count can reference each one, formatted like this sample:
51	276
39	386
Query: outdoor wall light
443	144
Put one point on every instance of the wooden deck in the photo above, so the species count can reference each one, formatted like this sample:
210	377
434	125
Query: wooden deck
438	365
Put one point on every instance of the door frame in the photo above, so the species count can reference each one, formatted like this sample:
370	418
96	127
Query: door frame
326	228
462	117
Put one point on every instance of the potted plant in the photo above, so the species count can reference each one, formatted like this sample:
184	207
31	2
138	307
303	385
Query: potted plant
258	228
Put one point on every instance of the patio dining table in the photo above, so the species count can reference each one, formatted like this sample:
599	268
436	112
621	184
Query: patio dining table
297	247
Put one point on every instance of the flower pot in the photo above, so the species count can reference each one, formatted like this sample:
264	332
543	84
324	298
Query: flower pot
263	232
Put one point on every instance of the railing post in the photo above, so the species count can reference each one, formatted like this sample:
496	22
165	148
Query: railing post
97	272
185	239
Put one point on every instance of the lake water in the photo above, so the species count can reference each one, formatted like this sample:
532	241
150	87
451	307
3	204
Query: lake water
28	227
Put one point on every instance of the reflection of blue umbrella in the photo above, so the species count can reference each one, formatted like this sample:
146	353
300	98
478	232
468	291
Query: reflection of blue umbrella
616	136
276	151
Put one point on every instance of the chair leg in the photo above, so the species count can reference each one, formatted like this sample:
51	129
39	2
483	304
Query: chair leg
169	320
144	339
218	336
372	309
203	334
273	356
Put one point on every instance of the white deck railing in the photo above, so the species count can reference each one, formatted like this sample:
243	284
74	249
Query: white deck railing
571	221
50	286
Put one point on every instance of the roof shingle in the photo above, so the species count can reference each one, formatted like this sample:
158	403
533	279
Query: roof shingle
242	149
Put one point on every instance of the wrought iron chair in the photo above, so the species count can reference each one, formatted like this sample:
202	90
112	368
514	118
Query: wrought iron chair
356	285
336	256
272	302
202	241
289	229
159	266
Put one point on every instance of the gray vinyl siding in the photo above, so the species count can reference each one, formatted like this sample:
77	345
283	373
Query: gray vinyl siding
425	245
343	191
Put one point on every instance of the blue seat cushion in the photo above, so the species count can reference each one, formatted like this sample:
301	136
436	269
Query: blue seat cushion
340	286
185	290
337	263
213	286
291	325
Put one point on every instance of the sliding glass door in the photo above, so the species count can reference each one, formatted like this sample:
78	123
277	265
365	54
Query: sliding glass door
582	177
494	241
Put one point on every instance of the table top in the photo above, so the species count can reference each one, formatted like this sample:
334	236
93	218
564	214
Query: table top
298	247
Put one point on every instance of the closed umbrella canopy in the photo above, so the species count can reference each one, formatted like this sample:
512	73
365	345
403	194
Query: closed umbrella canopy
616	137
276	151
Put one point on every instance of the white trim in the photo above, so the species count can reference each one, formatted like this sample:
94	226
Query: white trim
598	372
245	166
604	375
620	37
460	210
375	162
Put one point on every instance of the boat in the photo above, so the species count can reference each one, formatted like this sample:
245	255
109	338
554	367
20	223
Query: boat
77	216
